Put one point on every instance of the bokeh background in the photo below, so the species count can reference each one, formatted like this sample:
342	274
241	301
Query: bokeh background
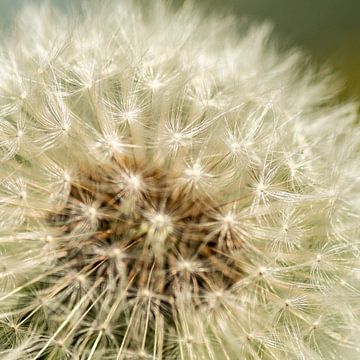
329	30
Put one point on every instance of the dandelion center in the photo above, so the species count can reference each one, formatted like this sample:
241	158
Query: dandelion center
146	234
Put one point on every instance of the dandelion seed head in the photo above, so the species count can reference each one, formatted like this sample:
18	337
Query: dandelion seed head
172	186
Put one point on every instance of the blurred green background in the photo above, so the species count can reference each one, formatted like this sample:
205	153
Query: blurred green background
327	29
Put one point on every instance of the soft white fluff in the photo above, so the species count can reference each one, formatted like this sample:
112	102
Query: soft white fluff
172	187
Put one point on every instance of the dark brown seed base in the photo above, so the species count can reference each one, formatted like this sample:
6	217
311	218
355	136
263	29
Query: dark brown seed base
124	227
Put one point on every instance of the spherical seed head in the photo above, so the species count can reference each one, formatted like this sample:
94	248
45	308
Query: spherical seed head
171	191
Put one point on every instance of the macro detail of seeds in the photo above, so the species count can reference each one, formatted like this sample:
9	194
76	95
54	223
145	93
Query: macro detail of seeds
158	234
173	186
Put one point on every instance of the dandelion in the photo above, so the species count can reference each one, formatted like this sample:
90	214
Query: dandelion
172	187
